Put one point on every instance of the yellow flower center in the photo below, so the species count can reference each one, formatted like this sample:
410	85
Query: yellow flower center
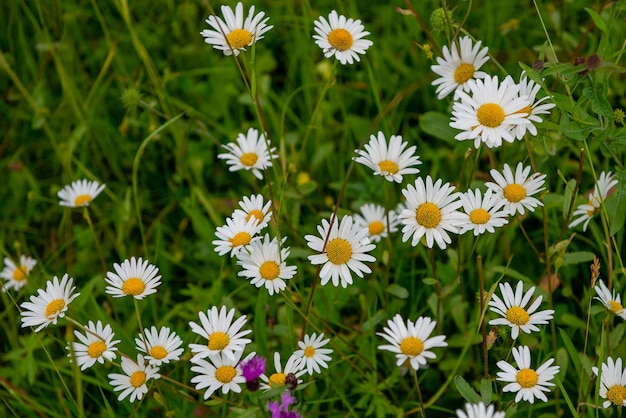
249	159
527	378
338	251
278	379
157	352
138	378
517	315
19	273
55	307
463	73
225	374
269	270
525	109
490	115
240	238
82	200
514	192
133	286
616	394
591	212
258	214
387	166
218	341
309	351
479	216
616	307
428	215
340	39
239	38
376	228
96	349
411	346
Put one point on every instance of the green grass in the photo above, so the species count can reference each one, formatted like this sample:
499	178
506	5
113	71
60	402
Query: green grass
127	93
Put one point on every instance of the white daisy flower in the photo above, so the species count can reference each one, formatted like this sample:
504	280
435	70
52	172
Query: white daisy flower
431	210
458	66
50	304
479	410
491	114
234	35
346	250
312	354
613	302
134	277
235	235
249	153
16	275
517	189
79	193
585	212
390	161
527	382
281	377
373	219
529	88
612	383
482	213
411	342
253	207
264	264
512	309
134	380
95	345
341	37
224	335
161	346
220	371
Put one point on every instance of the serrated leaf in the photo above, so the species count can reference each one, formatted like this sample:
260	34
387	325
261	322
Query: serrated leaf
398	291
616	205
597	19
466	390
438	125
599	103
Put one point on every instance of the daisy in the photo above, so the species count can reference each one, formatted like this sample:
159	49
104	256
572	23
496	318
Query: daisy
50	304
282	376
491	114
220	371
162	346
527	382
235	235
517	189
458	66
134	277
612	383
249	153
95	345
264	264
224	336
482	213
346	249
16	275
613	302
79	193
133	381
410	342
235	35
373	219
253	207
312	353
341	37
479	410
390	161
512	308
430	211
529	88
585	212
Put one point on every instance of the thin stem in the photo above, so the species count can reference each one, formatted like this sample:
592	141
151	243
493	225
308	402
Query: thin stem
95	238
423	26
483	326
437	286
141	331
419	394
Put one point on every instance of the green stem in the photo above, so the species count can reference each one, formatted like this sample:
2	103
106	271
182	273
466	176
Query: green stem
95	237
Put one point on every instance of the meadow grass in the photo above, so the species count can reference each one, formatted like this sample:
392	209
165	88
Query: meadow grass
128	94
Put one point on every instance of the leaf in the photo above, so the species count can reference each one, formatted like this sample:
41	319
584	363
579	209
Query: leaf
577	257
466	390
599	103
616	205
567	196
571	350
438	125
597	19
429	281
507	271
485	391
398	291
